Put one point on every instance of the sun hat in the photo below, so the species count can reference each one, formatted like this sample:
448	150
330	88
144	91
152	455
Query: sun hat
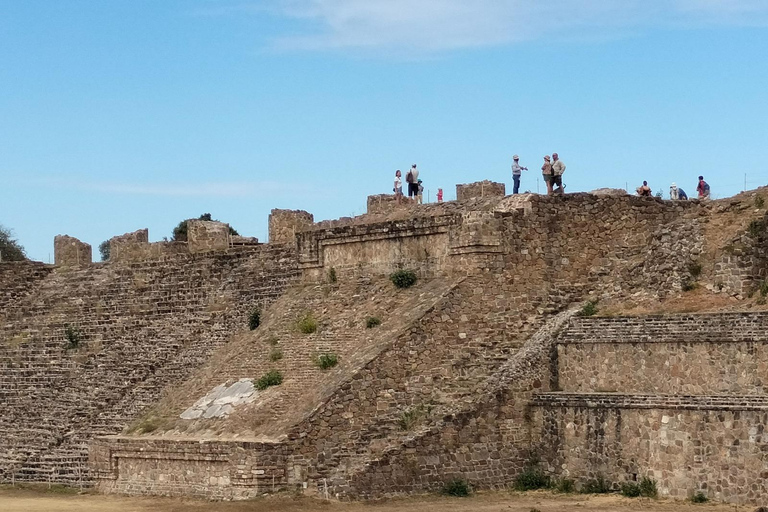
515	157
546	157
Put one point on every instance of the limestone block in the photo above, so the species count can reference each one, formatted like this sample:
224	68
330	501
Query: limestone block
284	224
71	252
385	203
204	236
483	188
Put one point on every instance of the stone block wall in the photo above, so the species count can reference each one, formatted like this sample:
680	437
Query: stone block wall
19	278
386	203
687	446
284	224
135	247
71	252
203	236
743	265
480	189
679	354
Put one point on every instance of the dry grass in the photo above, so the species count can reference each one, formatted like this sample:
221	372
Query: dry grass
14	500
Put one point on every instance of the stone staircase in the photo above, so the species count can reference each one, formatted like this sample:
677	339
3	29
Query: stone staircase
680	399
143	327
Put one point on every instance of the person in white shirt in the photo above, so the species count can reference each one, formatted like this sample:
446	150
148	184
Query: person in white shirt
673	193
398	190
517	170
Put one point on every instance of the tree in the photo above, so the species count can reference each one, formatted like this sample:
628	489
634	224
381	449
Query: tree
10	249
104	250
180	231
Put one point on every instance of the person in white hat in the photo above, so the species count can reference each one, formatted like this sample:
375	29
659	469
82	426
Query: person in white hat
673	194
517	170
546	173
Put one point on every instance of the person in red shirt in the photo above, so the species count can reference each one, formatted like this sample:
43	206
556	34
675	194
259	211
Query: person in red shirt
703	188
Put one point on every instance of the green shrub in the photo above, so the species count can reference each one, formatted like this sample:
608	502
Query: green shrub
565	485
630	490
763	288
327	361
589	309
273	340
457	487
403	278
332	278
531	479
596	486
307	324
756	228
695	270
104	250
372	321
73	335
254	318
409	419
759	202
276	355
271	378
699	497
648	488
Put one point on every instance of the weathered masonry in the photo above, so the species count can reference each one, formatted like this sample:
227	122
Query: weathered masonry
474	372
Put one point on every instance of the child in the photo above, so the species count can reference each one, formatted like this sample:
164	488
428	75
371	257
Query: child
421	191
439	195
398	190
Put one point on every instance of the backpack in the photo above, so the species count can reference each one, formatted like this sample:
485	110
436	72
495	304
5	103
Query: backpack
409	177
706	187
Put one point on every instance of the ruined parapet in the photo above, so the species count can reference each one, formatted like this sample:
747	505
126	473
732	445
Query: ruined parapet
483	188
385	203
204	236
134	247
71	252
284	224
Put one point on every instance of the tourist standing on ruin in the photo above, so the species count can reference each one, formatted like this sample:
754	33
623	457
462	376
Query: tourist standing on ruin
673	194
703	188
546	173
558	168
517	171
420	188
398	186
645	190
412	178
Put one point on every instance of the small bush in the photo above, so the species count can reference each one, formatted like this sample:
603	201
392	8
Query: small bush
403	278
276	355
565	485
307	324
759	202
254	318
457	487
763	289
589	309
688	286
332	277
73	335
104	250
699	497
695	270
409	419
148	425
648	488
327	361
372	321
756	228
531	479
273	340
271	378
630	490
597	486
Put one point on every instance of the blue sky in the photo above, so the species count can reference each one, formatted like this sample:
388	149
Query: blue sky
124	114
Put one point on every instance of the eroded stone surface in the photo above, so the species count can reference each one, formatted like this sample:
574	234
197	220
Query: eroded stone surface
222	400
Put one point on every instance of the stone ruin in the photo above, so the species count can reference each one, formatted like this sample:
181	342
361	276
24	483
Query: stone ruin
147	379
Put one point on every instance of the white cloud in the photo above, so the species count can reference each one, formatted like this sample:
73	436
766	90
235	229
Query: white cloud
433	25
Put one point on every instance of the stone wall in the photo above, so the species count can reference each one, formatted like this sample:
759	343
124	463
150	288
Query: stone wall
480	189
135	247
679	354
284	224
19	278
386	203
685	445
743	265
203	236
71	252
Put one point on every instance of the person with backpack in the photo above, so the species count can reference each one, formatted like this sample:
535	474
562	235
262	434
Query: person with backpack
412	178
703	188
